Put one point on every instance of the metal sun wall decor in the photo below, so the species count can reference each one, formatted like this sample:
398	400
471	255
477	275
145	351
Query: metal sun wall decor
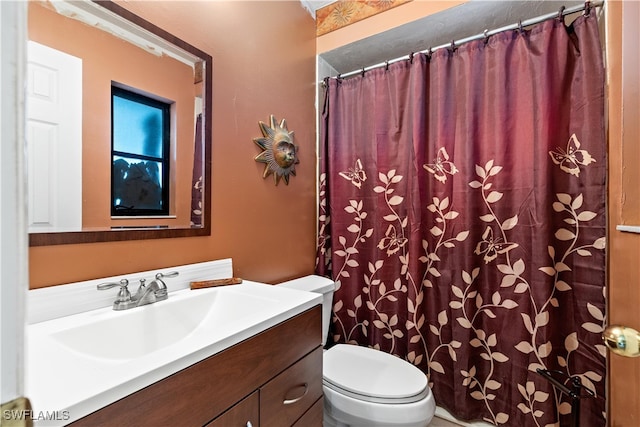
279	153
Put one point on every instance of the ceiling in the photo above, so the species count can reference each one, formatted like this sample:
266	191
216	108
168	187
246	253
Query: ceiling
456	23
313	5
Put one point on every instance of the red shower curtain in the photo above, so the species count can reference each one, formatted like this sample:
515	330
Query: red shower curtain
462	209
197	176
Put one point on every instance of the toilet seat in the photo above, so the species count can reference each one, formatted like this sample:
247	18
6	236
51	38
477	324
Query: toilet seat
373	376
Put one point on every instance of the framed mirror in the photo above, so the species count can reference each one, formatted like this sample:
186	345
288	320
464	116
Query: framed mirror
86	59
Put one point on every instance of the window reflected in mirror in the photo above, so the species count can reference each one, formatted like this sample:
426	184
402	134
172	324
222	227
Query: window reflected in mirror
141	129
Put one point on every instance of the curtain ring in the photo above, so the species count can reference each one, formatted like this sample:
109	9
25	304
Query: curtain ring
452	48
386	65
561	13
587	8
411	57
362	73
429	52
486	36
520	26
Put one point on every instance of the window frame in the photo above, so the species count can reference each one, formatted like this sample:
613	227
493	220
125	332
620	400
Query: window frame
165	160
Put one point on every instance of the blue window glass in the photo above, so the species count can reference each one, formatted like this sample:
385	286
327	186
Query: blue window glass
137	127
140	154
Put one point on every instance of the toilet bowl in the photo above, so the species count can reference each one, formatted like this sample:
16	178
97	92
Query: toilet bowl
364	387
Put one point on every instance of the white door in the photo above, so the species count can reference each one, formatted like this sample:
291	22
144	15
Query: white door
54	139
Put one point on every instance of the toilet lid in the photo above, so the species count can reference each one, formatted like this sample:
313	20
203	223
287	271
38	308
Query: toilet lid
372	375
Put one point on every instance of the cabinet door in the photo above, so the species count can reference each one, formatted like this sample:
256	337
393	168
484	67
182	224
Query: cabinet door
313	417
244	414
289	395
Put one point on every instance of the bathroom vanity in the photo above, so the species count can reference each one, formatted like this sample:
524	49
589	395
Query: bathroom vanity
271	379
246	355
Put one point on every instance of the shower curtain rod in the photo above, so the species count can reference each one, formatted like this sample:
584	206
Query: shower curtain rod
532	21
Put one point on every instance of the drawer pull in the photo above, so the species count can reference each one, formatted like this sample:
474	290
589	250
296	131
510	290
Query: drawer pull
249	424
297	399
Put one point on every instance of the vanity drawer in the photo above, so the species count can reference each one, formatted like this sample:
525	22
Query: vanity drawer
244	414
290	394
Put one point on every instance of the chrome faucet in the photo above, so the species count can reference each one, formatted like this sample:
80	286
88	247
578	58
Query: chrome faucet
146	294
156	291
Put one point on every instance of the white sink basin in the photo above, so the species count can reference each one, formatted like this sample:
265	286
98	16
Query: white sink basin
82	362
142	330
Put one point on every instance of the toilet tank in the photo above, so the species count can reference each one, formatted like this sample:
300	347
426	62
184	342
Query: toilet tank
320	285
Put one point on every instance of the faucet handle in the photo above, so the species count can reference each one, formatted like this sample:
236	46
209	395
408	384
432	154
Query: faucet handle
123	295
167	275
122	283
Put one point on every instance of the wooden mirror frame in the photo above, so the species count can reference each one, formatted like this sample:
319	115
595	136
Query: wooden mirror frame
75	237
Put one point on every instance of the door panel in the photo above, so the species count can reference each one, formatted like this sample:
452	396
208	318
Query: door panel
54	139
622	35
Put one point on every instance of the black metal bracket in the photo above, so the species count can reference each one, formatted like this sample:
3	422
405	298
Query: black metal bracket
575	391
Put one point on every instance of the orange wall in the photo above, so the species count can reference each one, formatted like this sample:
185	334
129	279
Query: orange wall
102	62
263	63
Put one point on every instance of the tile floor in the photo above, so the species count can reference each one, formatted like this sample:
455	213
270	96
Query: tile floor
439	422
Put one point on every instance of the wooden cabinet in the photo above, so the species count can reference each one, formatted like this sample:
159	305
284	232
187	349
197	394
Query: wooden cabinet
274	378
244	414
313	416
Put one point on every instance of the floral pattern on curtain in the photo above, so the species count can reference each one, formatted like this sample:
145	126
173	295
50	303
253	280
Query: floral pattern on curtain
462	210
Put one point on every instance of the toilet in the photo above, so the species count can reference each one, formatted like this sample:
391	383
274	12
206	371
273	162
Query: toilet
364	387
